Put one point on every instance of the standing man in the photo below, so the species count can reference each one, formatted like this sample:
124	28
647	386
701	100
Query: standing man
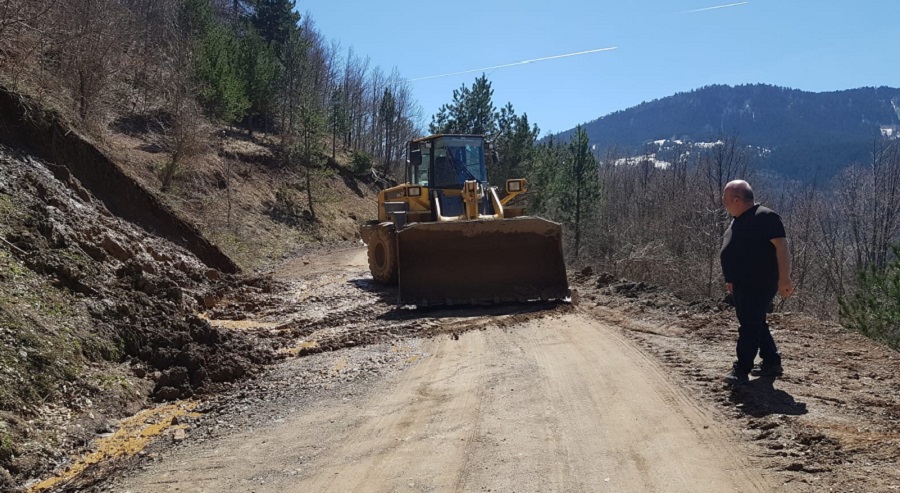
756	264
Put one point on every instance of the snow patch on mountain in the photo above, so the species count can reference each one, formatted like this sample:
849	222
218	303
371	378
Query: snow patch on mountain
645	159
708	145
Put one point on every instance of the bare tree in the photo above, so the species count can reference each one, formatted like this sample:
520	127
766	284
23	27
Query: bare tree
92	41
19	16
186	135
185	139
26	27
869	198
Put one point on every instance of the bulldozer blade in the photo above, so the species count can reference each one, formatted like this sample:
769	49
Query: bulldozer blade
481	261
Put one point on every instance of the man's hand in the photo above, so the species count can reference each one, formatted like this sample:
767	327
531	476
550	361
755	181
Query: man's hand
729	287
785	288
783	255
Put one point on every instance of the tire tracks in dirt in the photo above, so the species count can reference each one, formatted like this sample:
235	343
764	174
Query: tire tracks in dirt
560	403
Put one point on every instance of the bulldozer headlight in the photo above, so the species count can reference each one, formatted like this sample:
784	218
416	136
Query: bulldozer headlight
414	191
515	185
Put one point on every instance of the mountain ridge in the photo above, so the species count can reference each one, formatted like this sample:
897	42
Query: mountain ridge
809	133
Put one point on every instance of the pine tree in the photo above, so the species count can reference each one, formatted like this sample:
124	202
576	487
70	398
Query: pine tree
440	121
259	72
479	109
580	186
308	148
222	89
214	51
339	117
196	18
275	21
514	142
874	310
388	115
292	86
541	174
471	112
566	183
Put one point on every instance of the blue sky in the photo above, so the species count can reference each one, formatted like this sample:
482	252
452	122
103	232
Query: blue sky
662	47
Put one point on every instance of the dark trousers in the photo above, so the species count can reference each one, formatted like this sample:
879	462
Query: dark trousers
754	336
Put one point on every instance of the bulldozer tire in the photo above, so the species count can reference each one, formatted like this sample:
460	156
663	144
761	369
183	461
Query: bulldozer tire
383	255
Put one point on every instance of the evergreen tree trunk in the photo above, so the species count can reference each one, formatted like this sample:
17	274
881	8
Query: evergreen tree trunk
577	222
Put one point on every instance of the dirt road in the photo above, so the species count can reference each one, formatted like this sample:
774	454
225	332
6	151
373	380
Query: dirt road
555	403
620	391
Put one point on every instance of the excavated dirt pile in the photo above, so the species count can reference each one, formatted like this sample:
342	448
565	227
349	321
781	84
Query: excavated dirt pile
95	316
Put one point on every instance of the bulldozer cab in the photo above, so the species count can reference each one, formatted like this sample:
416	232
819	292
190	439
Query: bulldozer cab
446	162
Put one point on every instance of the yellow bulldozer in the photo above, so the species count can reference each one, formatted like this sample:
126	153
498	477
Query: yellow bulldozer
447	237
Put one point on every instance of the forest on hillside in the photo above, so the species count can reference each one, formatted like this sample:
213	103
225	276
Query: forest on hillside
181	67
184	67
807	135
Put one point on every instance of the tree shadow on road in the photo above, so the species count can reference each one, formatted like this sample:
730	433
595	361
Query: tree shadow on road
760	398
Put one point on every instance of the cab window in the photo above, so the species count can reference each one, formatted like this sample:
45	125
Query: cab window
420	174
456	160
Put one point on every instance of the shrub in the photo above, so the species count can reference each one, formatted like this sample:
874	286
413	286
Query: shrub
874	310
362	163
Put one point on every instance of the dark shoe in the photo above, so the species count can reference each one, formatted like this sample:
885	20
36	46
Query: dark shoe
736	378
767	371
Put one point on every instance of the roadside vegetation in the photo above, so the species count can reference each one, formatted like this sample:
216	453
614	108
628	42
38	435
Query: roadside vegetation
874	309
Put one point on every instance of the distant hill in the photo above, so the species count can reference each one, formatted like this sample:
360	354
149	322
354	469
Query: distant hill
807	133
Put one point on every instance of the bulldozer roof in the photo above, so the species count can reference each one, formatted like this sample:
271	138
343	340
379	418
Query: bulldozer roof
432	137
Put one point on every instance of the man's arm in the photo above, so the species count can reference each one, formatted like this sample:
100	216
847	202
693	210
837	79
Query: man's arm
783	254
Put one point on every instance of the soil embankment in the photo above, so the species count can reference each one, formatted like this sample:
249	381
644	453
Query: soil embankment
24	124
97	317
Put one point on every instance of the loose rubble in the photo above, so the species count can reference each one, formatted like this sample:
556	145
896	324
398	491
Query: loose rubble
96	316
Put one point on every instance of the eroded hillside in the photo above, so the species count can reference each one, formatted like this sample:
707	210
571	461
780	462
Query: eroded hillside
97	317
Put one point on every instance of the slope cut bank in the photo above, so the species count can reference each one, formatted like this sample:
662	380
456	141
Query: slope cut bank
97	318
23	124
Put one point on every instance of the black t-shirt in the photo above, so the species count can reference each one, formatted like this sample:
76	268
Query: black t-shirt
748	255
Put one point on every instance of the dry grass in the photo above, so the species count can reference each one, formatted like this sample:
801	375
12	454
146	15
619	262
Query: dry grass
229	193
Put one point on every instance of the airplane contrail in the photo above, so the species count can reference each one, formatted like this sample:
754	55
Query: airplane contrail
714	8
523	62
